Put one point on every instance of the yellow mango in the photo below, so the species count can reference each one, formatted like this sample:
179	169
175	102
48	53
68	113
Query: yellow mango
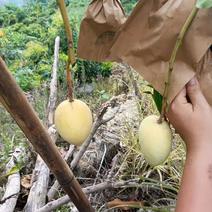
155	140
73	121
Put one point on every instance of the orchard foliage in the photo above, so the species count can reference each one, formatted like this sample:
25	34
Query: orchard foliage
27	37
128	5
25	42
204	4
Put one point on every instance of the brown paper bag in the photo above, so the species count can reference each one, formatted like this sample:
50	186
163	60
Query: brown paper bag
102	21
148	37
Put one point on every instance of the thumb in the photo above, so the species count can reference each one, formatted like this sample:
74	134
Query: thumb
194	93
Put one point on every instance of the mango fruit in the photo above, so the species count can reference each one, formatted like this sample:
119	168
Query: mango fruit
73	121
155	140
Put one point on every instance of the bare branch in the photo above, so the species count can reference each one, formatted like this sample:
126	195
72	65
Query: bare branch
10	197
40	179
7	198
91	189
53	85
99	121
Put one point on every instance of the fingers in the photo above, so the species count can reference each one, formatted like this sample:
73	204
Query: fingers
195	94
181	105
181	97
178	104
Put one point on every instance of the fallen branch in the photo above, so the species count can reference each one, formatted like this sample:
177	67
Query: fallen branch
40	179
91	189
17	105
11	194
99	121
53	85
6	198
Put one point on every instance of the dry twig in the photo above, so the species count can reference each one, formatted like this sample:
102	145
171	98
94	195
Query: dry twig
91	189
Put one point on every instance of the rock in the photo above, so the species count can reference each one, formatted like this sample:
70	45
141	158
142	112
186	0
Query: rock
126	115
110	135
85	89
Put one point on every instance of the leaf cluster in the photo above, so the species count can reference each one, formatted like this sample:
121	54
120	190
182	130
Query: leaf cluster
27	36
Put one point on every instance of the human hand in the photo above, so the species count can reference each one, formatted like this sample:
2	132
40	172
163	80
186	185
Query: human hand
191	116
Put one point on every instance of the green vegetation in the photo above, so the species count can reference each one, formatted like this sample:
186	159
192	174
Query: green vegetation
27	42
204	4
128	5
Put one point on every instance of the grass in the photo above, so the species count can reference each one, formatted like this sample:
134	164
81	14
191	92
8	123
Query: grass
10	134
159	185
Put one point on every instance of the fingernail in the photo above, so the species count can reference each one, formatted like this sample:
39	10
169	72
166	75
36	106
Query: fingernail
192	82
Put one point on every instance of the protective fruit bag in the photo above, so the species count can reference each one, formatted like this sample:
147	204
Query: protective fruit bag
101	23
152	31
146	41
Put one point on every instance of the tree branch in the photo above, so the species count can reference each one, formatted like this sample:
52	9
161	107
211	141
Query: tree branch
55	187
71	54
185	28
91	189
17	105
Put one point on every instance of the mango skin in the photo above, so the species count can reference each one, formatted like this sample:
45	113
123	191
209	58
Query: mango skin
73	121
155	140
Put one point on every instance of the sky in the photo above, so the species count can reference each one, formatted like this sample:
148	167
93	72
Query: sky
16	2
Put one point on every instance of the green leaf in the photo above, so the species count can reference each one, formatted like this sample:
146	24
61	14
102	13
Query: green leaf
204	4
158	99
13	170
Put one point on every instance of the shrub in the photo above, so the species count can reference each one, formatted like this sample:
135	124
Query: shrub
87	71
27	79
35	51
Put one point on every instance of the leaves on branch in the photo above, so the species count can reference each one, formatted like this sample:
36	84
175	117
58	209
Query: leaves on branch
158	99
